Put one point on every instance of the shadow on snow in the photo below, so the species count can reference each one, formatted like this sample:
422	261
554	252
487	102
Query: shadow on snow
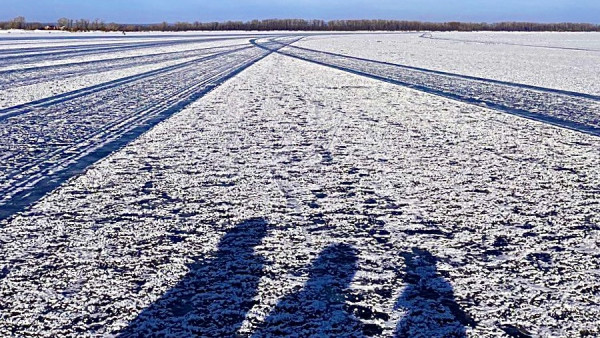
214	297
428	299
319	307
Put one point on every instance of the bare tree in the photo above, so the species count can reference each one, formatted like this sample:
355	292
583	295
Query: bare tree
63	23
17	23
311	25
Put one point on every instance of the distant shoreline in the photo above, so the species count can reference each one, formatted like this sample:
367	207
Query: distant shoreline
17	32
291	25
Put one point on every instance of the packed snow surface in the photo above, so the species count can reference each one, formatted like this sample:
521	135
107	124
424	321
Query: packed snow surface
248	187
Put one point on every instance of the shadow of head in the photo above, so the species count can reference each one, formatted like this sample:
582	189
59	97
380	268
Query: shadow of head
421	265
244	236
212	299
318	309
336	263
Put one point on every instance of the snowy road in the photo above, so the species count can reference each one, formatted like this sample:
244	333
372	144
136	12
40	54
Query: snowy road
299	199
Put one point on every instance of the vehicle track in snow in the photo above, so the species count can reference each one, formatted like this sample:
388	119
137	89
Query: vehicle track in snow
69	37
47	141
25	51
33	75
30	106
40	55
572	110
64	48
458	222
424	36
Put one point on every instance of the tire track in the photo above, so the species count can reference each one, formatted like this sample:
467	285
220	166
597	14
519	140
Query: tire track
48	141
571	110
47	49
460	76
510	44
45	102
99	46
54	55
34	75
61	38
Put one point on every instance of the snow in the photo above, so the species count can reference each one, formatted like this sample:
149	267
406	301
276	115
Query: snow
574	70
303	200
20	93
49	59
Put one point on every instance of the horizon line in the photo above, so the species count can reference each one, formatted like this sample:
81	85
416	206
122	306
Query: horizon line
309	19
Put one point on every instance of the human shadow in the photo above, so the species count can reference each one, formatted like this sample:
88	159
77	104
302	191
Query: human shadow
319	308
215	296
431	310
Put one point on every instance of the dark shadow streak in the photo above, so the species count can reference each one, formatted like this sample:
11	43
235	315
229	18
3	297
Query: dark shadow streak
214	297
431	310
319	308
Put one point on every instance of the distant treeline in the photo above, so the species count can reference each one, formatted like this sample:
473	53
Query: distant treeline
300	25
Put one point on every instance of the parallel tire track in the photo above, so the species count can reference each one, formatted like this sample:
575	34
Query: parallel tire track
57	55
35	75
511	44
46	50
61	38
45	102
572	110
50	140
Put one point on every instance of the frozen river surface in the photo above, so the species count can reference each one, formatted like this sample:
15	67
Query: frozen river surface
260	185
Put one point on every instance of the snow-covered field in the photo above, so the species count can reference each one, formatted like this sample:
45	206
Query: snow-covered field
248	187
571	62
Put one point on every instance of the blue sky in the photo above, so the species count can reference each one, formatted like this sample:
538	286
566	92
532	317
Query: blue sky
149	11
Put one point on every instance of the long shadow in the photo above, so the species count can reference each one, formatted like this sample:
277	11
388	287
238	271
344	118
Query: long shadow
319	308
214	297
431	310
